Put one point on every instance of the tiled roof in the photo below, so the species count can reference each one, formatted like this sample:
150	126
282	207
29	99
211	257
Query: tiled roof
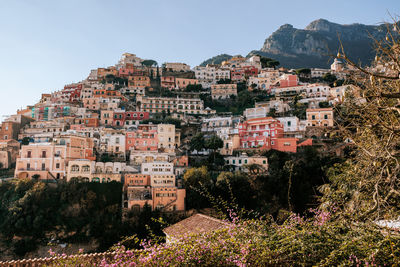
195	224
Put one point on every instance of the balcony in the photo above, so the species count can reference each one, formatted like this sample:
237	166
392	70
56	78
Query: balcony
34	169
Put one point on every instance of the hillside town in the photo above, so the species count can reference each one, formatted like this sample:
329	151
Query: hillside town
144	125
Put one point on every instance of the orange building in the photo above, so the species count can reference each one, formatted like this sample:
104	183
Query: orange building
143	139
320	117
88	122
78	146
161	198
181	83
103	72
137	179
168	82
139	81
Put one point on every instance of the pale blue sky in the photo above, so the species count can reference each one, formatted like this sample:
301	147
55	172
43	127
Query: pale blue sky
46	44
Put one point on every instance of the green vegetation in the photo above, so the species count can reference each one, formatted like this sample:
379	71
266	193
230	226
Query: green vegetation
115	80
319	241
149	63
291	182
167	120
236	104
32	213
193	88
216	60
269	62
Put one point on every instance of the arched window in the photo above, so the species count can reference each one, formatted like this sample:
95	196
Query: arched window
86	169
75	168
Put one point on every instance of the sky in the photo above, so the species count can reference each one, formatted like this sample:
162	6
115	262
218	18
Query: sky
45	44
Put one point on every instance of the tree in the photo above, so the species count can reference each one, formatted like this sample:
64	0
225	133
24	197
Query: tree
303	72
149	63
197	142
25	141
329	78
214	143
268	62
196	180
193	88
272	112
224	81
324	104
299	110
367	185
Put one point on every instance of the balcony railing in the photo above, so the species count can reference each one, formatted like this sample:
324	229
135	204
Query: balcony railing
33	169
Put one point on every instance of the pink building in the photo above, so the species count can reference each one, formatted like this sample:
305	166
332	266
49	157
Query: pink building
260	133
42	160
168	82
121	117
288	80
72	92
265	134
143	139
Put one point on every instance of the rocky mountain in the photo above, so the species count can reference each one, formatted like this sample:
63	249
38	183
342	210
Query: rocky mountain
312	46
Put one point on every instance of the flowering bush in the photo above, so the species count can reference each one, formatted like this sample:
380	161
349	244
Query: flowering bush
262	242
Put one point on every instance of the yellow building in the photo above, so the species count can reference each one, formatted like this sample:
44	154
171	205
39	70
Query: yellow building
223	91
320	117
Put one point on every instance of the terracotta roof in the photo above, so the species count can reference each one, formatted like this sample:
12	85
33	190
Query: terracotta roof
198	223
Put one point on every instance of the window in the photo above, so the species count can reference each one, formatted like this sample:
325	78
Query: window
325	116
85	168
74	168
43	154
28	166
313	117
57	165
43	166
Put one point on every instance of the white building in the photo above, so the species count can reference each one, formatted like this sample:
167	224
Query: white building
157	168
241	162
337	65
258	112
210	75
319	73
214	124
112	141
278	105
318	90
129	58
290	124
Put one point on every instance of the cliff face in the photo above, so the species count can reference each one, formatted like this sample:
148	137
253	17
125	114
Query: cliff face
311	47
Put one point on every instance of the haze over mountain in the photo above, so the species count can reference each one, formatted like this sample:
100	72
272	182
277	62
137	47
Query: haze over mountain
312	46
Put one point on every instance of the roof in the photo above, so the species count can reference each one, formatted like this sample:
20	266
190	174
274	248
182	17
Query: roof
319	109
196	224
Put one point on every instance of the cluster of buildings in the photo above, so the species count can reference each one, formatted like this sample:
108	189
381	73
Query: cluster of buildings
103	128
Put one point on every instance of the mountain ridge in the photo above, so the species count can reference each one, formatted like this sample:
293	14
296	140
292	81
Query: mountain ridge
318	42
